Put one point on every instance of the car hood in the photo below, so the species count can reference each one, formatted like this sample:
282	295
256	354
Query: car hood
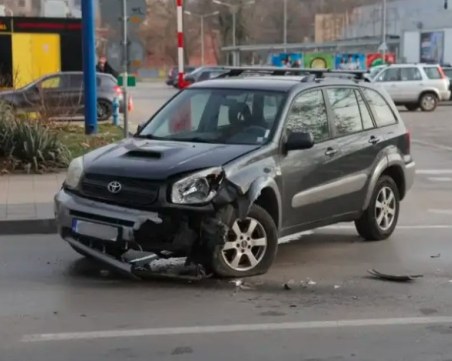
159	160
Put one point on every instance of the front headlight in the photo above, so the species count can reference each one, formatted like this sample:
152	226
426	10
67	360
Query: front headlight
74	173
197	188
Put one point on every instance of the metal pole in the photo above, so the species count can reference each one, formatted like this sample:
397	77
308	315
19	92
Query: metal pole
384	31
285	26
125	67
180	42
234	37
202	40
89	66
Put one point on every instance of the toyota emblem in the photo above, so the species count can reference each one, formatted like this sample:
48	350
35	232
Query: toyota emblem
114	187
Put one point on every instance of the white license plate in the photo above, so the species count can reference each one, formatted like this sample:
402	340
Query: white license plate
95	230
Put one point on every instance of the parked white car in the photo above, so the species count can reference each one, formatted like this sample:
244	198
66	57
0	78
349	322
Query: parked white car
415	85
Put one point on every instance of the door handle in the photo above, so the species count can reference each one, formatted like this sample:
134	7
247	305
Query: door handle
330	152
374	140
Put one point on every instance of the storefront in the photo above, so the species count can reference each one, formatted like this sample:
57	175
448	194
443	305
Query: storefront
33	47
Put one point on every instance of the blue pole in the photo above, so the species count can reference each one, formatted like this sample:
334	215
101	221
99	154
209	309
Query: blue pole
89	65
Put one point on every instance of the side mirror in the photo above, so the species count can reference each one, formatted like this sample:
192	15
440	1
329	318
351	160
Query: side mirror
299	141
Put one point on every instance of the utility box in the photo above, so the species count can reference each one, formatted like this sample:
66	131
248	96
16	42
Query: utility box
34	47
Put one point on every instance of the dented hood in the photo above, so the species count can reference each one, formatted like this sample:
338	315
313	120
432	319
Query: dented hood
151	159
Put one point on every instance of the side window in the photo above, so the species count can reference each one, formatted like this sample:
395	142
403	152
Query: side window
410	74
76	81
383	113
53	82
308	114
433	72
347	118
390	75
365	115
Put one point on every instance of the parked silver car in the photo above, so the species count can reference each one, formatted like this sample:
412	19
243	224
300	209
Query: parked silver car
415	85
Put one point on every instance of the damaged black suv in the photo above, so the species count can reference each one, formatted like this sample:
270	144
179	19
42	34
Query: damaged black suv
230	165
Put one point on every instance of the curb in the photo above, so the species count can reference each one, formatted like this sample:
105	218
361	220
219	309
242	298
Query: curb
28	226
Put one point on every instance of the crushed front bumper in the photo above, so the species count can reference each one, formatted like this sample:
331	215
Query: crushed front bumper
72	210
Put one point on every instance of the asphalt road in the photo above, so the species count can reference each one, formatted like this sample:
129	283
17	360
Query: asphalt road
56	306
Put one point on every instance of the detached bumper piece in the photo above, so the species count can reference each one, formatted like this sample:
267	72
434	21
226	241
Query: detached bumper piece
140	265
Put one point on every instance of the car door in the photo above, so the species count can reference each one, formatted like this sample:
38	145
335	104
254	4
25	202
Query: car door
307	174
54	94
359	142
75	94
389	79
411	84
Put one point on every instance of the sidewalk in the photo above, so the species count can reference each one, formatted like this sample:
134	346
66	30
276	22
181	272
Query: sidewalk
26	203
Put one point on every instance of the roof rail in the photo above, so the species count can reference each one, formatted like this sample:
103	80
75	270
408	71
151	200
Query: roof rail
276	71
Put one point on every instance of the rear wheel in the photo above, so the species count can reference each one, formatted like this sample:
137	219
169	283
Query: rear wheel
412	107
428	102
104	110
250	248
380	218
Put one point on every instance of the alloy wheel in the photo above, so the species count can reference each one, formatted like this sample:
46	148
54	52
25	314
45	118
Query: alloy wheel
385	208
428	102
246	245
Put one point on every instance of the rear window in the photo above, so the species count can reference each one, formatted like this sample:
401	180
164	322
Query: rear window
448	73
432	72
382	111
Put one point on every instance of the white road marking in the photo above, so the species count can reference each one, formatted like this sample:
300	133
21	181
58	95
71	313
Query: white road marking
433	171
259	327
440	179
440	211
417	226
432	145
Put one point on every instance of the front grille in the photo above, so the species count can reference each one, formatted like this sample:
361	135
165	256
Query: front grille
134	192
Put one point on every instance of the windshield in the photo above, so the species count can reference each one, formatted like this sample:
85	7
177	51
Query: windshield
223	116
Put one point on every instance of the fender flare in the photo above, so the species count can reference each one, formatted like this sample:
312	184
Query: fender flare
255	191
389	160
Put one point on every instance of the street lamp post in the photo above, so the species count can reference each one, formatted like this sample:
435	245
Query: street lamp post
383	33
202	17
234	8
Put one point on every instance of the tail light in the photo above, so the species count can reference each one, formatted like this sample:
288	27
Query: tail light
441	71
407	143
118	90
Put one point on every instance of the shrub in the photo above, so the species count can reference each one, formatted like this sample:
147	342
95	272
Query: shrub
29	144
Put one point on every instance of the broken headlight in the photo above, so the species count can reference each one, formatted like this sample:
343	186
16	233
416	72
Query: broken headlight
197	188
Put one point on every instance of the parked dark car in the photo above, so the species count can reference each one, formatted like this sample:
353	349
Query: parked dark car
448	72
228	166
173	74
61	95
204	73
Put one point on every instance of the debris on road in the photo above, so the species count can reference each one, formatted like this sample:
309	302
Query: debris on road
436	255
237	283
336	287
289	285
392	277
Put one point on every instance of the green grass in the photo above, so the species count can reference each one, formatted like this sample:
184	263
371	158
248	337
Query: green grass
78	143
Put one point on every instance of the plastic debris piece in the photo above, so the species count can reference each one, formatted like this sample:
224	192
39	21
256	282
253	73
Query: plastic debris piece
436	255
289	285
337	287
393	278
237	283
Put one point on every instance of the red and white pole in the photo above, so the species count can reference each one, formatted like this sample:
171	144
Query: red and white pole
180	42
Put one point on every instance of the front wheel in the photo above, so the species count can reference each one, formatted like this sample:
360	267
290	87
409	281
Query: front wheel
428	102
251	246
380	218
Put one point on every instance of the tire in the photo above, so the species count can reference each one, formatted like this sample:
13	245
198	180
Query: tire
265	229
428	102
104	110
412	107
369	226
